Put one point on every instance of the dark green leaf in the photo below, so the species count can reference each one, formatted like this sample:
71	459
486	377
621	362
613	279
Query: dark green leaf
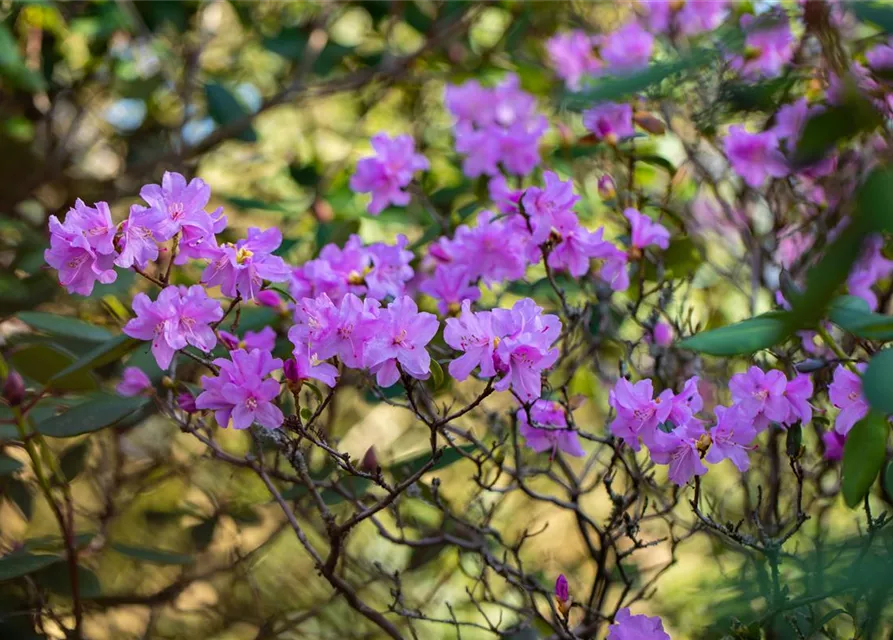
863	456
44	362
741	338
56	325
110	351
153	556
224	109
19	563
416	18
421	556
825	130
888	480
409	466
877	381
305	175
12	65
90	416
354	486
9	466
289	43
18	492
57	579
853	314
329	57
875	13
72	461
794	440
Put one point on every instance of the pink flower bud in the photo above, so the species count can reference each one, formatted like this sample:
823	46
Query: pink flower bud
229	340
14	389
370	461
663	334
186	402
290	369
562	591
269	298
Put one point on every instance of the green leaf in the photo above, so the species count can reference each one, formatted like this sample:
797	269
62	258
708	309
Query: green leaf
56	325
852	314
794	440
289	43
224	109
877	381
18	564
353	485
73	460
110	351
437	375
57	579
44	362
741	338
888	480
12	65
19	493
863	455
409	466
90	416
825	130
329	57
304	175
878	14
153	556
9	466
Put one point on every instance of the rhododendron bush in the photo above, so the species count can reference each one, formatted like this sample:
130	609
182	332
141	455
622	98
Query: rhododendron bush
458	320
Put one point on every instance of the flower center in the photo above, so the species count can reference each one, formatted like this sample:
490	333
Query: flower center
251	403
176	210
400	337
243	254
76	262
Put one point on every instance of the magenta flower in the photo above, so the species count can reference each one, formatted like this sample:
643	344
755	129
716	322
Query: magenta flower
354	324
834	443
761	396
768	47
241	269
662	334
626	49
545	205
268	298
385	174
798	392
845	393
306	366
506	200
679	450
562	590
137	243
698	16
731	438
576	245
265	340
639	413
686	404
644	232
525	347
78	263
613	270
610	121
880	58
493	250
450	286
400	336
754	156
572	57
196	243
549	430
471	333
630	627
242	392
871	267
179	316
133	382
186	401
179	205
390	270
95	225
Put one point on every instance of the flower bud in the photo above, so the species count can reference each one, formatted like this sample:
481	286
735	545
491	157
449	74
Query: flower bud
290	369
229	340
369	463
186	401
562	595
268	298
14	389
663	334
649	123
606	188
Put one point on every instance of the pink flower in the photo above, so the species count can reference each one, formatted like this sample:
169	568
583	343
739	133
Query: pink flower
525	347
698	16
760	396
186	401
387	173
268	298
562	591
731	438
610	121
196	243
845	393
630	627
871	267
686	404
133	382
450	286
572	57
880	57
645	233
679	450
389	270
137	243
769	45
77	261
555	436
834	443
241	269
94	224
754	156
639	413
545	205
628	48
354	325
576	246
306	366
265	340
242	392
179	206
798	392
613	271
505	199
400	336
179	316
662	334
493	250
471	333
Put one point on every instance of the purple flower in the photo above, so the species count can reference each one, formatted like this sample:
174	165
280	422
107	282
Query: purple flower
686	404
572	57
133	382
769	45
630	627
305	366
576	245
628	48
754	156
562	591
401	334
731	438
555	435
880	58
268	298
493	250
265	340
610	121
179	205
845	393
390	268
639	413
195	241
505	199
78	263
471	333
385	174
545	205
179	316
186	401
834	443
137	242
644	232
94	224
525	347
354	324
698	16
798	392
871	267
450	286
242	392
241	269
680	450
613	270
662	334
761	396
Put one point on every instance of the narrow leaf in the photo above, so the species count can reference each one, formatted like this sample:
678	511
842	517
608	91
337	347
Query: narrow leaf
90	416
741	338
153	556
863	456
877	381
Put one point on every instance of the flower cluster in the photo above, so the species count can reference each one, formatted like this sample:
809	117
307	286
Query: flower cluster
242	393
387	173
546	429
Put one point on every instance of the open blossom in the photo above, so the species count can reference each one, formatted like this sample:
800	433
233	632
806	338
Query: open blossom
545	204
472	333
644	232
628	48
769	46
680	450
133	382
493	250
613	270
845	393
760	396
880	58
639	413
687	18
549	430
389	269
798	392
196	243
78	262
265	339
610	121
388	172
137	243
731	438
572	57
630	627
179	316
450	286
306	366
576	246
94	224
242	392
871	267
834	443
353	325
525	347
241	269
506	200
179	205
754	156
401	334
